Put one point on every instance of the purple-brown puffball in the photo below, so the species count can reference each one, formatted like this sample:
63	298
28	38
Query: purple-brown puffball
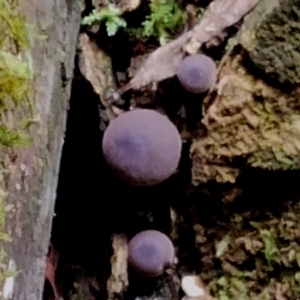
150	253
142	146
197	73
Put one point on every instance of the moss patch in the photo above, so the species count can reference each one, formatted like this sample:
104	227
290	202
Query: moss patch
15	84
15	68
261	261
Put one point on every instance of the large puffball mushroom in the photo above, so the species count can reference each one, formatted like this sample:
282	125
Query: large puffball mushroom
197	73
142	146
150	253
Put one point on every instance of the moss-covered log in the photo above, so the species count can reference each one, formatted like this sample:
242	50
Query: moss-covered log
252	117
37	49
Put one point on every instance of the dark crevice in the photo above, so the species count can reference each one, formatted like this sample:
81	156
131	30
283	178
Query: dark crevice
80	232
92	203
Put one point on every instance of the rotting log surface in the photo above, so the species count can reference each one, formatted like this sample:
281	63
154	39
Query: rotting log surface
253	117
31	172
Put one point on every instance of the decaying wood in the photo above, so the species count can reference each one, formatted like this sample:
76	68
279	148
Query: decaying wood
118	280
51	266
31	172
251	119
164	61
95	66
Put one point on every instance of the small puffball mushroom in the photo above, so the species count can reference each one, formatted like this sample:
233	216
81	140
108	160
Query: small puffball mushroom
150	253
142	146
192	286
197	73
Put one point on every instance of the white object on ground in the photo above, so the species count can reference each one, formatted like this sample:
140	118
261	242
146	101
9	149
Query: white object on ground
192	286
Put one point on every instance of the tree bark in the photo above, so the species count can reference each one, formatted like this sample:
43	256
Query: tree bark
30	173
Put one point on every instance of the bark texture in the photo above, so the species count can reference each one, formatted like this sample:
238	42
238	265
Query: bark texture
30	173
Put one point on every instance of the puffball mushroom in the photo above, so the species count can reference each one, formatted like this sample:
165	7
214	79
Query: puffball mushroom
150	253
142	146
197	73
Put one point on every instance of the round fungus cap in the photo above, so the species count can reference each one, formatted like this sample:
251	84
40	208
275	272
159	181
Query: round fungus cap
197	73
150	253
142	146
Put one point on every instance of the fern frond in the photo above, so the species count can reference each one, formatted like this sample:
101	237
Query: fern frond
165	19
110	15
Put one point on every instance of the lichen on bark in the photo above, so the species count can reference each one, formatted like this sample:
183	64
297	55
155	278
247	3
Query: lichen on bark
249	121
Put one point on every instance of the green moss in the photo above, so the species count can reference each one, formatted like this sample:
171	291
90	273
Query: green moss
263	254
273	158
269	239
15	88
4	270
15	68
13	26
14	77
14	138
